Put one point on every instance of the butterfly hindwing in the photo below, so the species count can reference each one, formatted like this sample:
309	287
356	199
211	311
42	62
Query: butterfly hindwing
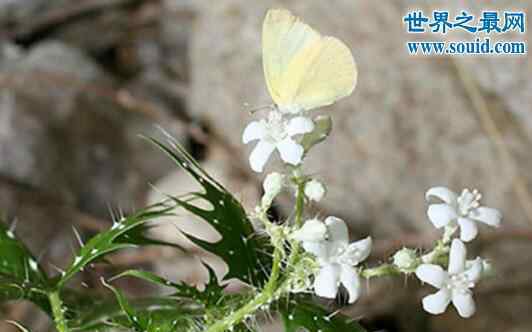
329	75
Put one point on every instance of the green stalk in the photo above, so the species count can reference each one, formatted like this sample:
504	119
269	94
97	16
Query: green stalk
270	291
380	271
298	221
263	298
300	203
58	311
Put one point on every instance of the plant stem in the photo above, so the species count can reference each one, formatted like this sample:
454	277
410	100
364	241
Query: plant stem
300	203
270	291
58	311
380	271
263	298
298	221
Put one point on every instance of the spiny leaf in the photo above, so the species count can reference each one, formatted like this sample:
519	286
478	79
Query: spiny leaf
162	315
125	233
238	246
302	314
21	277
208	296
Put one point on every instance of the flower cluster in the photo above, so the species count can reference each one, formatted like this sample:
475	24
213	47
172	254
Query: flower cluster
331	262
455	285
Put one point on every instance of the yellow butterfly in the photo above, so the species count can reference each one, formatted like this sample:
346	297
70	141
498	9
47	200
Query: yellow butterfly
303	69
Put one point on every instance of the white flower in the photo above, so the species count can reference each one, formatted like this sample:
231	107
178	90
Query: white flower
337	259
455	284
273	184
314	190
276	133
463	210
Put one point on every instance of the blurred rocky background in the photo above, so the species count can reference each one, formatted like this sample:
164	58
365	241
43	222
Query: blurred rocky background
81	80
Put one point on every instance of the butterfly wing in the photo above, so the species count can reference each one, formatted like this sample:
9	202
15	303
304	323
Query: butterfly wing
283	37
304	70
322	74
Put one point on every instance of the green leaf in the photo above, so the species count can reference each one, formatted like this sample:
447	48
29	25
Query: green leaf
209	296
21	277
125	233
322	129
303	314
158	315
239	247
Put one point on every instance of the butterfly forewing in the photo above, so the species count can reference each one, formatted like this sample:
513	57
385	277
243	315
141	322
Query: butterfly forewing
304	70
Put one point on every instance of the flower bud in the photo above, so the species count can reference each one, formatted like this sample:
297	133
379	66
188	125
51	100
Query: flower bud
314	190
405	259
273	184
312	230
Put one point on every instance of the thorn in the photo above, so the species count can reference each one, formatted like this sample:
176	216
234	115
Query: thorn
17	325
78	237
13	225
111	212
58	269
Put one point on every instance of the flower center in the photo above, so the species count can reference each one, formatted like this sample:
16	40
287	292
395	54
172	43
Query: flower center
468	200
460	282
275	128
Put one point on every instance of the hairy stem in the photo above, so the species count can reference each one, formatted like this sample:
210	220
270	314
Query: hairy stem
300	203
58	311
270	291
266	296
380	271
298	221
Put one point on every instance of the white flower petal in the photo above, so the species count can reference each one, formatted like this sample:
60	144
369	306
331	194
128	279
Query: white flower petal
468	229
351	281
487	215
457	257
474	270
254	130
299	125
431	274
318	249
312	230
443	193
441	214
338	231
290	151
358	251
327	280
437	303
260	154
464	304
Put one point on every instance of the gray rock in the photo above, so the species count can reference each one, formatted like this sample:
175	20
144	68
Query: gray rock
66	130
17	11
